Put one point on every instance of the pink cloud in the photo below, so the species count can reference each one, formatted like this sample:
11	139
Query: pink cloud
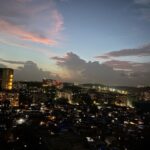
20	32
58	22
32	20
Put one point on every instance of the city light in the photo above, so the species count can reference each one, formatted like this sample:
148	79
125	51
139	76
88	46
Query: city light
20	121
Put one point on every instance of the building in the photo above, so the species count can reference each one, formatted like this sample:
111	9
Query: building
6	78
52	83
11	96
65	94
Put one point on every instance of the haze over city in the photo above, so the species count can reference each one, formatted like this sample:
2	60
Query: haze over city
90	41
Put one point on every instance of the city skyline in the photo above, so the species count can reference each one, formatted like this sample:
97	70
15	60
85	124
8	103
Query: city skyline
77	40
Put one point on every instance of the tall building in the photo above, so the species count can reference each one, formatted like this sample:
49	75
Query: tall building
6	78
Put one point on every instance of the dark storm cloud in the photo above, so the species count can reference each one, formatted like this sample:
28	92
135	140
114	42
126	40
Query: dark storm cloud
12	62
31	72
143	51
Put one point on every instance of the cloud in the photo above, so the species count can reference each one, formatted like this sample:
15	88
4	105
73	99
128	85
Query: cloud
72	68
70	60
23	1
24	35
128	66
64	0
79	70
143	8
137	73
142	51
145	13
143	2
31	20
58	22
3	66
110	72
119	65
12	62
31	72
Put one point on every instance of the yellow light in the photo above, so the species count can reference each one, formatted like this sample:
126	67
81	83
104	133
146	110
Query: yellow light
10	83
11	76
9	87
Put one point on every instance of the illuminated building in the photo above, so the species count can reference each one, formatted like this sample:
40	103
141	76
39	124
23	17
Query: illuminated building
51	82
6	78
12	97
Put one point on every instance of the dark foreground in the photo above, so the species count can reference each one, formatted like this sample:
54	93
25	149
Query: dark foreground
72	127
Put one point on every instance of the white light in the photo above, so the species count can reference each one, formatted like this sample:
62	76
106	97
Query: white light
52	133
42	123
99	107
25	146
109	114
20	121
89	139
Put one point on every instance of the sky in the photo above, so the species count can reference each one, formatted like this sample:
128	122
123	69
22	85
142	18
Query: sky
84	41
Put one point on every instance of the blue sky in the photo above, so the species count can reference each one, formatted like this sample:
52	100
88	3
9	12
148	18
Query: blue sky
48	31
